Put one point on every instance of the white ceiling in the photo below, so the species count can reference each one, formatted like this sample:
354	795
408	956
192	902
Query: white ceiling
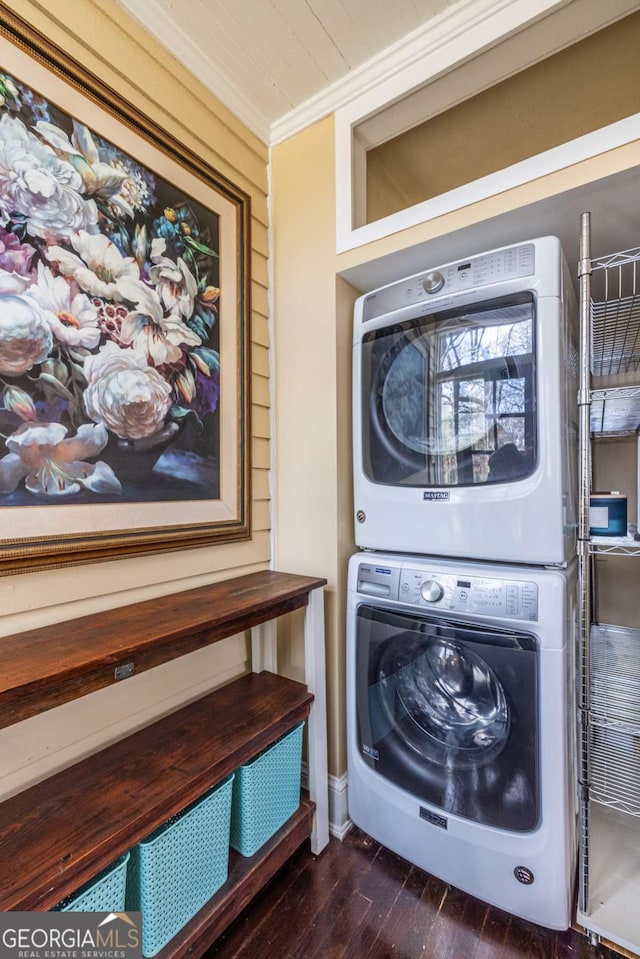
264	58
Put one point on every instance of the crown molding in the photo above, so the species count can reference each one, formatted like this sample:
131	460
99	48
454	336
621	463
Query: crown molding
463	17
154	18
398	69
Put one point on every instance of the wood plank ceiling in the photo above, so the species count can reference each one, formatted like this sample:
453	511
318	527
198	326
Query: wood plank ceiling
270	56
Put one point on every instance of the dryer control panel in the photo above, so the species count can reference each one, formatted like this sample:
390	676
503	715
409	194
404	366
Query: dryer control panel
507	264
482	595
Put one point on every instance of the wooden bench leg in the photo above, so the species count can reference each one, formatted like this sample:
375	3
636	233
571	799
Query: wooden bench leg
264	647
315	678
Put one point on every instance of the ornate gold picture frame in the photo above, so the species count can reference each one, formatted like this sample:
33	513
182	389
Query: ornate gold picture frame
124	324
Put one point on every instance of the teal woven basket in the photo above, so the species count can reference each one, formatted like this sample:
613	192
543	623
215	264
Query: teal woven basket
266	792
179	867
104	893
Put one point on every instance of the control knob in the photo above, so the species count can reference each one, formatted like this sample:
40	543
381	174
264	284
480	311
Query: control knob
431	591
433	281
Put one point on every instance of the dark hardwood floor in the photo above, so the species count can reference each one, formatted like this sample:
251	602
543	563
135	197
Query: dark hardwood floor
357	900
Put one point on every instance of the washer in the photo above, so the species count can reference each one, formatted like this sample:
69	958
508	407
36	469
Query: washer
460	724
464	401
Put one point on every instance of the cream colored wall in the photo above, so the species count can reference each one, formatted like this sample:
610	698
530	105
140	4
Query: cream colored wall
312	336
313	513
104	39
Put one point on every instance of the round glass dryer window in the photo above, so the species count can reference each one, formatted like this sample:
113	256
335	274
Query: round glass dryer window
450	399
404	400
446	701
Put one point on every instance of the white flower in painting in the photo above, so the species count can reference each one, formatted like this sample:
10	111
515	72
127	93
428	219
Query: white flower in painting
13	283
175	283
25	335
52	464
17	401
98	178
124	393
40	186
158	338
140	243
73	318
97	266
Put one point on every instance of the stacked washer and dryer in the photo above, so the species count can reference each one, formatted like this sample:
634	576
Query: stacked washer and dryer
462	600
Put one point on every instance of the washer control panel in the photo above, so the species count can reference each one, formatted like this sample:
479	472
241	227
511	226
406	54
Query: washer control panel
459	592
478	271
503	598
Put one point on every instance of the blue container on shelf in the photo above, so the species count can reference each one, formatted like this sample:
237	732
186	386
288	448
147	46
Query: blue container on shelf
104	893
608	514
179	867
266	792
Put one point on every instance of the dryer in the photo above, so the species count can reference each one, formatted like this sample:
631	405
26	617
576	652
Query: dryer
464	401
460	726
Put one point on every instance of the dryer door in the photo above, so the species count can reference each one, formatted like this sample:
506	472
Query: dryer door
448	399
449	712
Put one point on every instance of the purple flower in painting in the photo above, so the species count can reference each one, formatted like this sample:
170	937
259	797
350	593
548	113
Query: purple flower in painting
15	257
51	409
207	393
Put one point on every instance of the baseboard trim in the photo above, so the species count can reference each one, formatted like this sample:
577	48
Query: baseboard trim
339	822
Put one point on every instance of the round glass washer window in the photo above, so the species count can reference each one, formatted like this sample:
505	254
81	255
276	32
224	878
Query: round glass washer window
448	701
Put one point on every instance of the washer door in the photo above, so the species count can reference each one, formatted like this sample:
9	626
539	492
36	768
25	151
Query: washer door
447	699
449	713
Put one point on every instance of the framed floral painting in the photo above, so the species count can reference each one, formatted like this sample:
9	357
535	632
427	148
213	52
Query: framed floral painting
124	324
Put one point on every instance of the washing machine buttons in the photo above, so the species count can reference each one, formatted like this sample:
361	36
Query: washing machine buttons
433	281
431	591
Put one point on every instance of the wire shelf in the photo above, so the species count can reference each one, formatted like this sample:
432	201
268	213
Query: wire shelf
615	411
615	767
620	258
615	313
615	674
615	718
616	545
609	663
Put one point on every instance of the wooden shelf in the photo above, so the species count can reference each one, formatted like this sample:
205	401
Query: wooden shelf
60	833
46	667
